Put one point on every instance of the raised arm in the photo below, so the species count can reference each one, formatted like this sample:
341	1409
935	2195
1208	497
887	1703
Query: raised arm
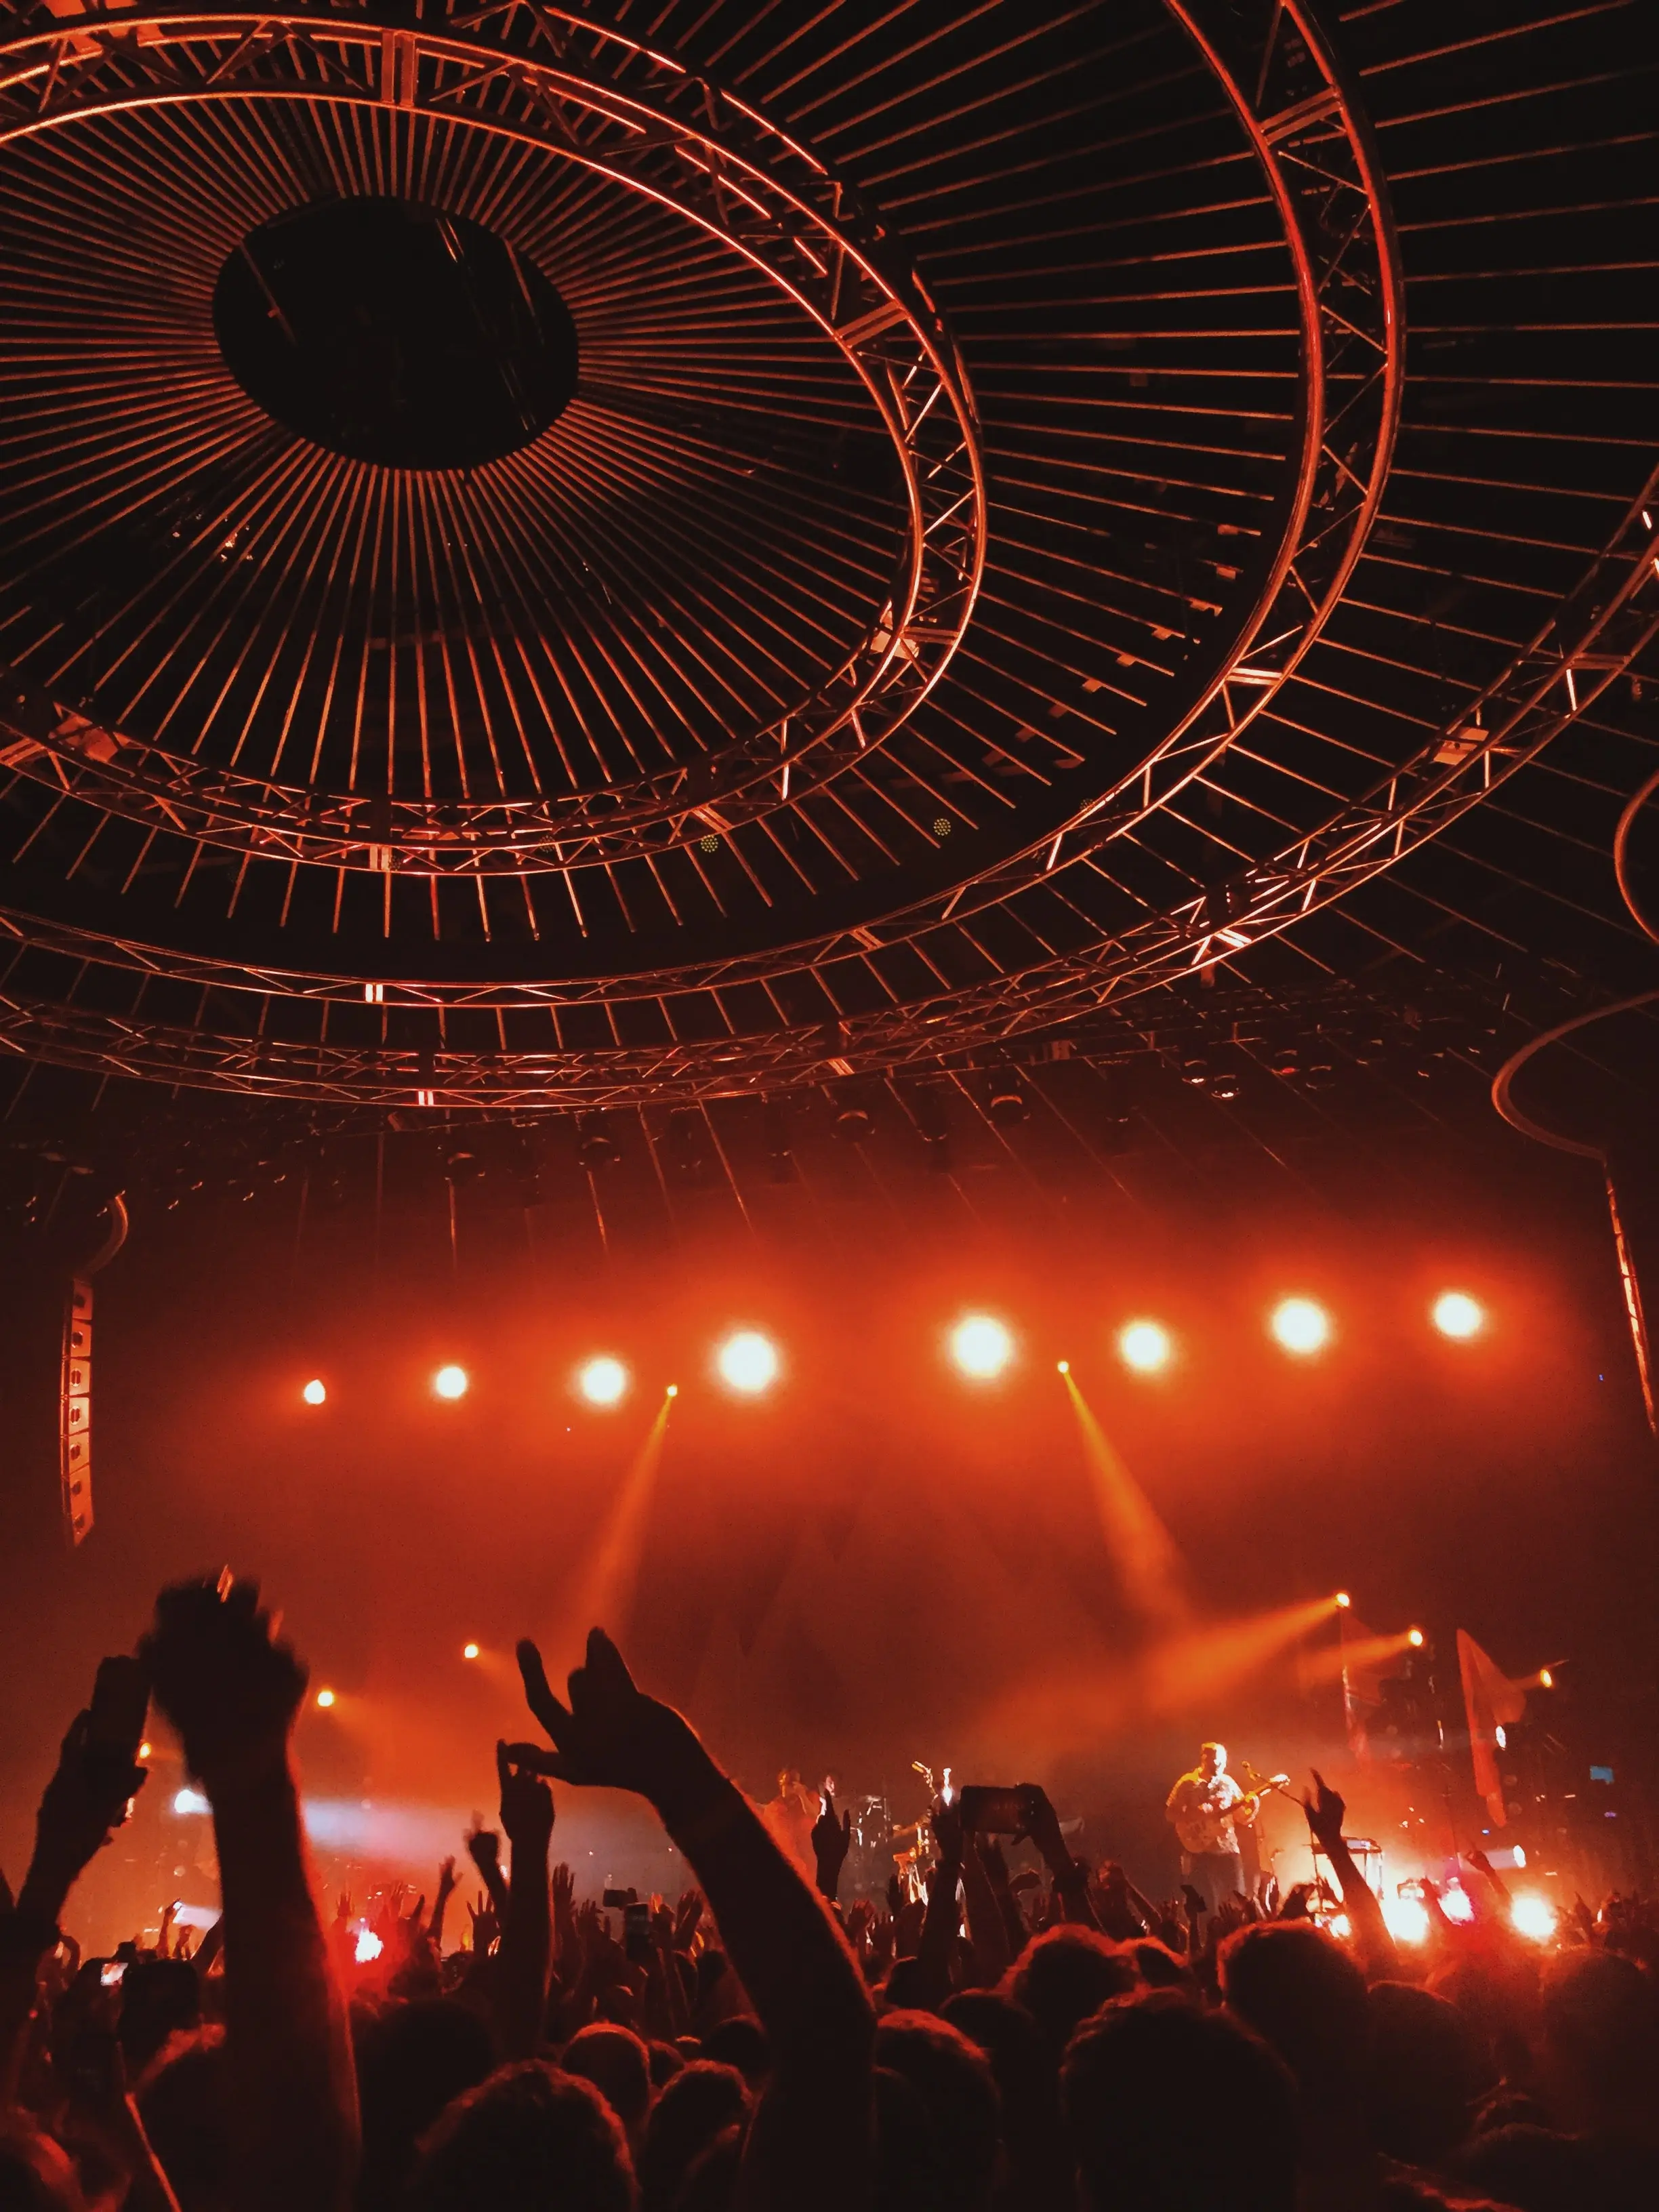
232	1690
1372	1940
810	2146
525	1957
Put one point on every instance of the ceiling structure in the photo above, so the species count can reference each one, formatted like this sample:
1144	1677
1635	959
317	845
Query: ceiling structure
655	555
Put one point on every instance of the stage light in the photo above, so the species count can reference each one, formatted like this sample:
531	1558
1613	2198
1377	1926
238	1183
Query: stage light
1144	1346
1458	1315
1534	1916
190	1801
672	1391
315	1392
468	1650
1414	1637
981	1346
144	1751
603	1382
325	1699
451	1382
369	1946
1344	1599
1457	1904
748	1362
1062	1367
1300	1325
1407	1919
1545	1680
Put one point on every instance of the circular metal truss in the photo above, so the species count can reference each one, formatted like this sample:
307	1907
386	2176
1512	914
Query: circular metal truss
601	102
1093	893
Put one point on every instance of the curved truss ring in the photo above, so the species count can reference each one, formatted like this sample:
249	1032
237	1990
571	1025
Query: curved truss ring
642	118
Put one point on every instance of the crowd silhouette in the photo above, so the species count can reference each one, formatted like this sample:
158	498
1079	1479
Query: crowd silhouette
997	2046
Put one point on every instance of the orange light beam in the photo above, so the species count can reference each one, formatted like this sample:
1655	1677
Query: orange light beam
1142	1551
1336	1660
604	1594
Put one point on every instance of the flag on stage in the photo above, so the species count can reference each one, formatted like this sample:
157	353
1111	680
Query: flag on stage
1491	1700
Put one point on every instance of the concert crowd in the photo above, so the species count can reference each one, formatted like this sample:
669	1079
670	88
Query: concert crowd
994	2044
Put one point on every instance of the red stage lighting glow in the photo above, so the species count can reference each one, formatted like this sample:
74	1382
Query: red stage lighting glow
603	1382
1300	1325
451	1381
1458	1315
981	1347
315	1392
1146	1346
747	1363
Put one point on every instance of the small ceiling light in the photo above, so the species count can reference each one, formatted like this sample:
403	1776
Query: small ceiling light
981	1347
748	1362
1414	1637
315	1392
1063	1366
1300	1325
451	1381
602	1380
325	1699
1458	1315
1144	1346
468	1650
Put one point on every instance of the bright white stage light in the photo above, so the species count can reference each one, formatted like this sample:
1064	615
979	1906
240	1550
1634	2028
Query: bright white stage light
1146	1346
468	1650
315	1392
369	1946
1457	1315
603	1382
748	1362
1300	1325
190	1800
451	1381
981	1346
1406	1919
1457	1904
1533	1916
325	1699
1344	1599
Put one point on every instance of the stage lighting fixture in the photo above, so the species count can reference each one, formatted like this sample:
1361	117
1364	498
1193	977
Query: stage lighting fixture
325	1699
1407	1919
1533	1916
1144	1346
144	1750
190	1801
1457	1903
451	1382
603	1382
1301	1326
1414	1637
468	1650
1344	1599
1063	1366
315	1392
1545	1680
1458	1315
981	1346
672	1391
368	1946
748	1362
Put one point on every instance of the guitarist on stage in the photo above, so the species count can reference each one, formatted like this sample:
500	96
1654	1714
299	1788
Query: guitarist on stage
1206	1807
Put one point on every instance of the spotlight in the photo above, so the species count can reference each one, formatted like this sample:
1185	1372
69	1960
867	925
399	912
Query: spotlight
1144	1346
325	1699
1407	1919
1414	1637
1458	1315
315	1392
1062	1366
144	1750
190	1801
1533	1916
369	1946
1344	1599
468	1650
603	1382
1300	1325
981	1346
672	1391
748	1362
1545	1680
451	1382
1457	1903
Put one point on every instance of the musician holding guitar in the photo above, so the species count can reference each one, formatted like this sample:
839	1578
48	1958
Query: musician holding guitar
1208	1808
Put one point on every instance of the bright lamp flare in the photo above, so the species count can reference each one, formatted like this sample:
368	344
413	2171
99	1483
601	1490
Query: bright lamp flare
1459	1315
1457	1903
1301	1326
1144	1346
1533	1916
451	1382
468	1650
1545	1680
325	1699
315	1392
1344	1599
748	1362
1407	1919
603	1382
981	1346
369	1946
1414	1637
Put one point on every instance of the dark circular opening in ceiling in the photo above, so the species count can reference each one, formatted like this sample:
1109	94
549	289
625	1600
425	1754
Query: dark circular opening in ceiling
395	333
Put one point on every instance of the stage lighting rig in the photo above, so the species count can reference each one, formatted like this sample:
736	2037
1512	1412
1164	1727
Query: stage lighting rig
1300	1325
602	1380
1457	1315
981	1347
747	1363
1146	1346
452	1382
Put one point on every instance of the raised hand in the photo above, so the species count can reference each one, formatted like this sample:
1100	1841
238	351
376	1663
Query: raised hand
527	1804
611	1735
948	1835
1324	1809
222	1679
485	1926
84	1802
